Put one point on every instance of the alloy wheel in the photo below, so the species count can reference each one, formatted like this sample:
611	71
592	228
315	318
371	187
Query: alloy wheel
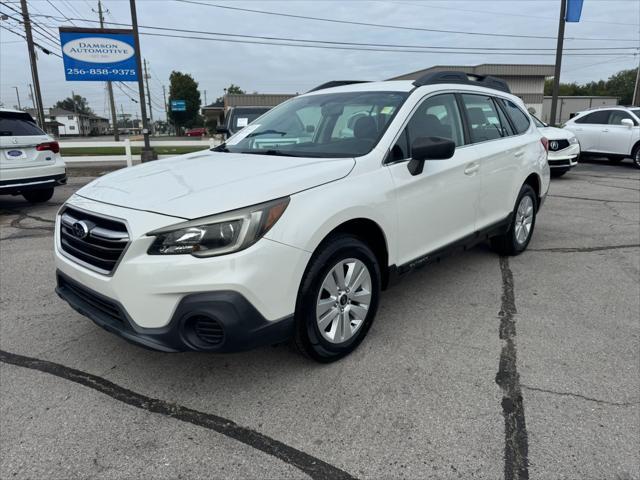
343	301
524	220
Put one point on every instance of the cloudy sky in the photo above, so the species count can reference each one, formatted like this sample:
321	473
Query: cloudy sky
288	69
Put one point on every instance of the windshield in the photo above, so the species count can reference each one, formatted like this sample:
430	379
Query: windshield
325	125
538	123
241	117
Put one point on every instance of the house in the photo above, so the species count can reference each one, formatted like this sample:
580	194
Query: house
71	123
525	80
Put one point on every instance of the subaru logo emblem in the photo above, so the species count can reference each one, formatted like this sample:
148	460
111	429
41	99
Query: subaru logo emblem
80	229
553	145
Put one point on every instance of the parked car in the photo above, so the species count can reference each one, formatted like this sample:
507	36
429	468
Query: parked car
280	234
196	132
564	148
612	132
30	160
237	118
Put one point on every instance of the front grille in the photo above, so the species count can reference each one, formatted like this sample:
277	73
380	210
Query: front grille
208	330
96	242
555	145
90	301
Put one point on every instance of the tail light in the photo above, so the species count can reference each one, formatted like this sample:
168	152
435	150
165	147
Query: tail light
53	146
545	143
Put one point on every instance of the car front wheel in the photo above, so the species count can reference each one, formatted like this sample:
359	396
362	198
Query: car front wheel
338	299
517	238
38	196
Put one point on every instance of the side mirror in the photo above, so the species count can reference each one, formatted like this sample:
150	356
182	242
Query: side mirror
627	122
429	148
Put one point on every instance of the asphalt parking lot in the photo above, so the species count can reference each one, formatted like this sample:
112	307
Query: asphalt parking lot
477	367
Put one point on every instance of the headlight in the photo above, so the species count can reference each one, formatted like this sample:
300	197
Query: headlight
573	140
219	234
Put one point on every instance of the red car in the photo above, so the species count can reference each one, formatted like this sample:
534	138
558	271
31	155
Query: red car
196	132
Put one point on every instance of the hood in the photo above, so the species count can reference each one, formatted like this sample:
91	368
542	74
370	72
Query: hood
205	183
553	133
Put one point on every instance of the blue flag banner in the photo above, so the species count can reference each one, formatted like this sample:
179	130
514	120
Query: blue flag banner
574	10
98	55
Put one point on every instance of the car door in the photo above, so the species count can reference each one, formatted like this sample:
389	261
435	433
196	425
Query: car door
588	129
617	138
437	206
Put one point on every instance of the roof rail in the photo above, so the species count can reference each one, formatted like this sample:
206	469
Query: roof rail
336	83
462	78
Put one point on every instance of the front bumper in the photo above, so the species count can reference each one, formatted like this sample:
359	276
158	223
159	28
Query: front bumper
222	321
248	292
565	158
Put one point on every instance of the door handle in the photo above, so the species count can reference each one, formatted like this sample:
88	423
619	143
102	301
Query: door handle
471	168
519	154
605	130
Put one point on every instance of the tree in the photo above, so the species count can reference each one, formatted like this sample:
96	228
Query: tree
619	85
182	86
77	104
231	90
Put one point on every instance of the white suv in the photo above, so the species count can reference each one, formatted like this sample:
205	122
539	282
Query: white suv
613	132
30	161
292	228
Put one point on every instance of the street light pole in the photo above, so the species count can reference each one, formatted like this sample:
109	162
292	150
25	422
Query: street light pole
33	61
147	152
18	95
556	74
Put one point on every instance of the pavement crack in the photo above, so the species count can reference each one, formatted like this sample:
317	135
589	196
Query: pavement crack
17	222
584	249
583	397
312	466
516	442
602	200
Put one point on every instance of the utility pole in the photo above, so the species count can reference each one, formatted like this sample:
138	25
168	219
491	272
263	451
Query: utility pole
18	95
147	152
33	60
166	113
556	75
205	98
146	77
33	99
112	105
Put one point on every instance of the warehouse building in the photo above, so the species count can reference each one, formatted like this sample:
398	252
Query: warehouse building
216	111
568	106
525	80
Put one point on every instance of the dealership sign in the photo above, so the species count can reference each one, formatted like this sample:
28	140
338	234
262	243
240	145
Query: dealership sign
98	55
178	106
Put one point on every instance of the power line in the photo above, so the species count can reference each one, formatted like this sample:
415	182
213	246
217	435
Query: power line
397	27
44	50
358	44
34	24
60	11
331	47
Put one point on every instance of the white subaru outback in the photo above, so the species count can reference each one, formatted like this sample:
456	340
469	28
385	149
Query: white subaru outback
292	228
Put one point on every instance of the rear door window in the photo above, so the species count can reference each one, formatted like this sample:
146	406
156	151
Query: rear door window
520	119
16	124
601	117
483	118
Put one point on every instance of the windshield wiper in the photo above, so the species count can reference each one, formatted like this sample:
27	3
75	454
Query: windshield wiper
221	148
267	132
271	151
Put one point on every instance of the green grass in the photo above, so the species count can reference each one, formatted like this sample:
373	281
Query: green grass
97	151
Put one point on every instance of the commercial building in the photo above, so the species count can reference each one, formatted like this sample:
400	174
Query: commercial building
217	110
525	80
570	105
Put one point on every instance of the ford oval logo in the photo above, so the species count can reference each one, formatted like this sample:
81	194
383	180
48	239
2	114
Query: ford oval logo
14	153
80	229
98	50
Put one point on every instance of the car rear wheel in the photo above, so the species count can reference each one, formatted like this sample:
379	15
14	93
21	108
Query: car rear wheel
38	196
636	157
338	299
517	238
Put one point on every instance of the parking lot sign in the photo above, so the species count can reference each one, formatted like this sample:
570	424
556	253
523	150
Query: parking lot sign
178	106
98	55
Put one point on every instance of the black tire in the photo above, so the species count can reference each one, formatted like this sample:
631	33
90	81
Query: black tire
38	196
308	339
558	172
636	156
507	244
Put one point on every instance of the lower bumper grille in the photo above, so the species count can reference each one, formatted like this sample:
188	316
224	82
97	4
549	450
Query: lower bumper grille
88	300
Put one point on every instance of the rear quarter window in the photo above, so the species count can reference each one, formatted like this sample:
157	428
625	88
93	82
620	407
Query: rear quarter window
600	117
15	124
519	119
